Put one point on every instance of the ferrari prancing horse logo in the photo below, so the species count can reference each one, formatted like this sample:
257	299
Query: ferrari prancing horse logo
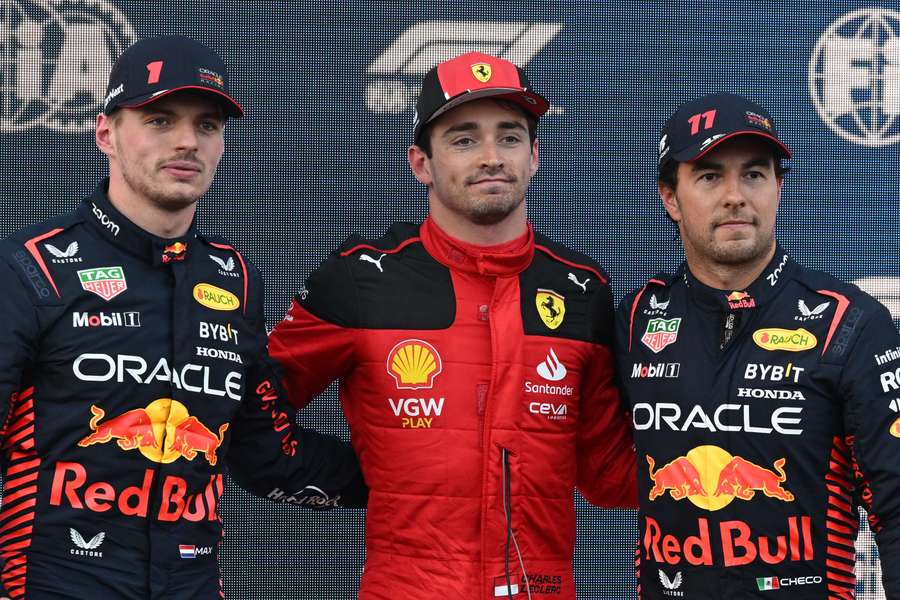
482	72
551	307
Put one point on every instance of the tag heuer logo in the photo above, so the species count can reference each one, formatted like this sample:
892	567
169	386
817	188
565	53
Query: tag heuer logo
551	307
482	72
660	333
106	282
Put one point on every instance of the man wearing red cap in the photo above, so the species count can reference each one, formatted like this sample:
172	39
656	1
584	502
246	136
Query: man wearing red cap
133	364
474	358
764	395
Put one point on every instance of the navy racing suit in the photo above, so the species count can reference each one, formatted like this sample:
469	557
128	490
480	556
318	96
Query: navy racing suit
133	370
763	418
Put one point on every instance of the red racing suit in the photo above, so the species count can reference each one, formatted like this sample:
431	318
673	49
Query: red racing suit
133	370
762	418
478	386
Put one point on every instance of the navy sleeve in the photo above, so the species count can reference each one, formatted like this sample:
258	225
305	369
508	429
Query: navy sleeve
18	335
271	456
870	384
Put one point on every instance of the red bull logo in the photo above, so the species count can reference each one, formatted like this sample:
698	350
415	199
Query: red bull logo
174	252
895	428
163	432
70	487
737	300
711	478
740	545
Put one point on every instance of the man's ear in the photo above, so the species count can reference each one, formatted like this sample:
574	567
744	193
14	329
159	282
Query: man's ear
420	164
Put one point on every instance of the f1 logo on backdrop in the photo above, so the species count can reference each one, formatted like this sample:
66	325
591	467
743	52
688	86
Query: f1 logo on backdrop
854	77
400	68
57	58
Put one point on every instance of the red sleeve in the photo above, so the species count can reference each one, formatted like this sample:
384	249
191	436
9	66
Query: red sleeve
312	353
607	473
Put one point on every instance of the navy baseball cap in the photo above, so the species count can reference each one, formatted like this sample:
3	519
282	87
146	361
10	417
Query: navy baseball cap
158	66
700	125
469	77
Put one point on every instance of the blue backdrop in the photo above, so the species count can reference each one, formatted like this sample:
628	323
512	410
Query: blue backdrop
329	88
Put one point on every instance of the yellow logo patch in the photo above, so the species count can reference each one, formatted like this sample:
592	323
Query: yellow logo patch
215	298
790	340
414	364
551	307
482	72
895	428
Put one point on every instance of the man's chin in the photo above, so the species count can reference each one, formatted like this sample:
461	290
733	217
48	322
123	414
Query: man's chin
491	213
736	252
176	200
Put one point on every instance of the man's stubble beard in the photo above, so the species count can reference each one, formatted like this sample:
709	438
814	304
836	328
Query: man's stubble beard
153	190
491	212
731	253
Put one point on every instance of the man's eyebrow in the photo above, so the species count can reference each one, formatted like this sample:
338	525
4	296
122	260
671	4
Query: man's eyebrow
472	126
704	164
511	125
464	126
759	161
160	110
710	165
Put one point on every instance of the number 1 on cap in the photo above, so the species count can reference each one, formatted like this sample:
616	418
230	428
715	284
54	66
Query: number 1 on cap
155	68
708	118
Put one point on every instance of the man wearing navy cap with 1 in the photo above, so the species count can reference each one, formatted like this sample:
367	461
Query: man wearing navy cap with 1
763	394
475	361
133	363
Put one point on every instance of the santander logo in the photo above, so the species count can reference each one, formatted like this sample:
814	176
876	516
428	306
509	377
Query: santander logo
552	369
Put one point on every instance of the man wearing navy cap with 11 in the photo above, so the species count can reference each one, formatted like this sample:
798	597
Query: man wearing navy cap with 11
133	362
763	394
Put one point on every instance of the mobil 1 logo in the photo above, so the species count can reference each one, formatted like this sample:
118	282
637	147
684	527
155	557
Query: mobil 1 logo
106	319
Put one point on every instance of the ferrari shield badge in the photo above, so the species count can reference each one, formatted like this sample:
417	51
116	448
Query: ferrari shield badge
551	307
482	72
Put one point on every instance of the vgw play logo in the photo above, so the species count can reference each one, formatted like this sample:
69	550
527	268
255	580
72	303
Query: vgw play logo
56	56
397	72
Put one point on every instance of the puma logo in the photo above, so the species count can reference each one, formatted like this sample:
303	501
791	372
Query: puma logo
574	280
377	263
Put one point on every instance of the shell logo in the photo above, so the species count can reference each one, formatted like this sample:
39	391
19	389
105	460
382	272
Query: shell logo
414	364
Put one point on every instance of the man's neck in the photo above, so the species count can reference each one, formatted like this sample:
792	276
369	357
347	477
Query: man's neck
147	215
459	227
726	276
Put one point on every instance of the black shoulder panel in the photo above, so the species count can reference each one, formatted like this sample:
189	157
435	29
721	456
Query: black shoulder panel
565	294
387	283
856	306
20	248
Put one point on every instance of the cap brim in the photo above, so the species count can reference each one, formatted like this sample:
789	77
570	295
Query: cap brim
532	102
232	108
697	151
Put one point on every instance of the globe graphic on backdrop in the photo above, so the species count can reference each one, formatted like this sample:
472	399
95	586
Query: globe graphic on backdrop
54	59
854	77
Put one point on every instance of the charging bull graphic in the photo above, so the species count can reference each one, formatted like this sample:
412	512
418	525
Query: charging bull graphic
679	477
711	478
192	436
163	432
742	478
131	429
